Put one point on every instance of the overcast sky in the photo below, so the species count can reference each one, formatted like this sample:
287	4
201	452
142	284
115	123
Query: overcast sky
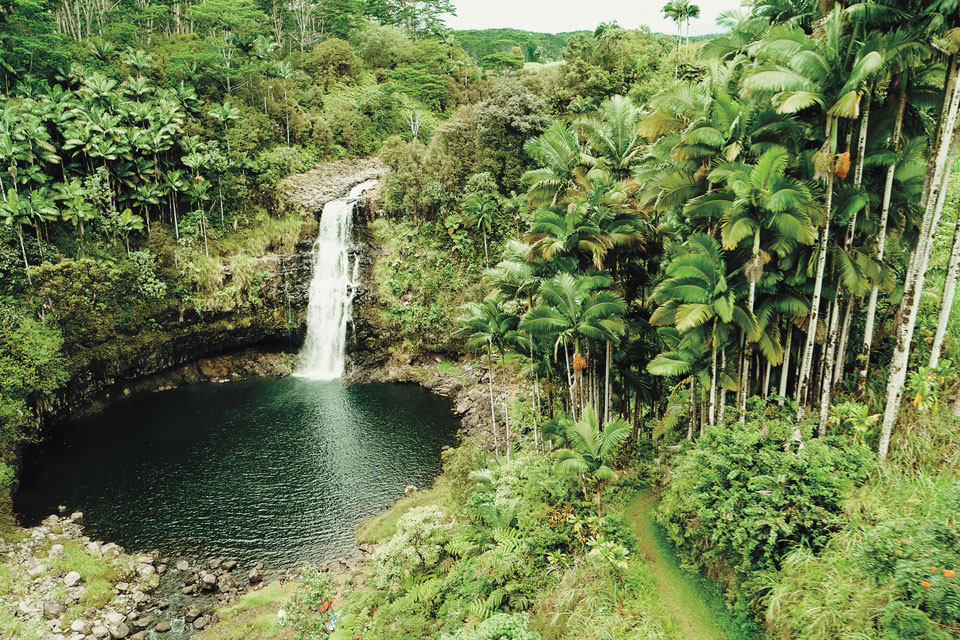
554	16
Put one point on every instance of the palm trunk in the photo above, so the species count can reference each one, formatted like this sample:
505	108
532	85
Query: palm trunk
606	387
829	354
570	383
711	409
493	415
39	240
506	402
23	252
785	365
881	245
844	341
915	276
723	392
946	301
766	380
486	255
807	361
693	408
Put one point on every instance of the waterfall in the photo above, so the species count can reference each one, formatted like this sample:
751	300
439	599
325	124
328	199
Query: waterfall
331	290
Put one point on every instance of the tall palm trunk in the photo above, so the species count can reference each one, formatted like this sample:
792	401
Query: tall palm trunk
506	401
915	274
723	392
711	412
23	252
946	301
753	276
606	386
807	361
493	414
826	372
785	365
844	341
693	408
881	245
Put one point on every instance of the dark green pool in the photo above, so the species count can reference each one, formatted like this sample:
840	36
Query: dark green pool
279	471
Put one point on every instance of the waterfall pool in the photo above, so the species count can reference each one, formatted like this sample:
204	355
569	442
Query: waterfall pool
279	471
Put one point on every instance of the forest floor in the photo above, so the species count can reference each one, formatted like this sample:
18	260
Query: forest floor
695	602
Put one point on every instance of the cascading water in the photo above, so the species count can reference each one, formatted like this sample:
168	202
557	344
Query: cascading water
331	290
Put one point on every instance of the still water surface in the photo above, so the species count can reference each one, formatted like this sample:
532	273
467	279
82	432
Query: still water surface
279	471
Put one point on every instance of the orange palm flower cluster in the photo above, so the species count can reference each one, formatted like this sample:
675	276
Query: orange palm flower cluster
950	573
933	569
925	584
843	165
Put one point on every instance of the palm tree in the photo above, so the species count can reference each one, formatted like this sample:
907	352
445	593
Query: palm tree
573	310
676	10
696	295
15	211
487	326
129	221
224	114
480	209
563	165
591	452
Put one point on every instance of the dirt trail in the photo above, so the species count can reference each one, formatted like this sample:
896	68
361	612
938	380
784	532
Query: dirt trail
678	589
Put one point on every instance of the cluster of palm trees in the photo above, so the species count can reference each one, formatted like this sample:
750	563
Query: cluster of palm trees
92	150
794	188
815	160
560	295
681	12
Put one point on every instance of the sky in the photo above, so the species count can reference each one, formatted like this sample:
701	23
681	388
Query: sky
554	16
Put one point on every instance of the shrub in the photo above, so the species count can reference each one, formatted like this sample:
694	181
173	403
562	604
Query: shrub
500	626
738	501
416	545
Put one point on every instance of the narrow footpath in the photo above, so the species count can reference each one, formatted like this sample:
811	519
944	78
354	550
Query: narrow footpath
694	602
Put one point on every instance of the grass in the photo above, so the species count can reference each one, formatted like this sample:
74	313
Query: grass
383	526
252	617
449	368
697	604
97	574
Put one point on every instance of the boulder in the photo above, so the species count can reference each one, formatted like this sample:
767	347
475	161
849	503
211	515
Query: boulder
229	565
183	565
207	580
163	604
122	587
161	569
80	626
113	617
118	630
162	627
71	579
34	568
140	635
214	563
187	590
56	551
76	515
100	632
226	582
255	576
191	613
52	609
143	622
146	570
145	560
94	548
201	622
409	489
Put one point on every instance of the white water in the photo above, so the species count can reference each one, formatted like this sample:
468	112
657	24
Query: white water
331	290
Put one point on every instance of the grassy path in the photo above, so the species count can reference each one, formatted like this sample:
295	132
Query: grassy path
695	603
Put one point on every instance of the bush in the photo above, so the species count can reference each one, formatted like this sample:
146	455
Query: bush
281	162
500	626
417	545
738	501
